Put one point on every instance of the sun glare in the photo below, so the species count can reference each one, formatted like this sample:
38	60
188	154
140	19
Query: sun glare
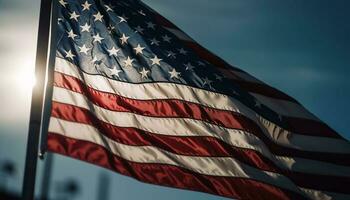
25	79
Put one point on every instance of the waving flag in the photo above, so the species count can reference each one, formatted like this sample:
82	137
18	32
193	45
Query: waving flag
135	94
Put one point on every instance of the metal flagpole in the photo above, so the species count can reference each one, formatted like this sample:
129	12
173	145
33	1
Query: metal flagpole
47	173
49	80
37	101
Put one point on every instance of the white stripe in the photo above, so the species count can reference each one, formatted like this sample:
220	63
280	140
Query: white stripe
165	126
181	35
213	166
150	91
186	127
316	195
285	108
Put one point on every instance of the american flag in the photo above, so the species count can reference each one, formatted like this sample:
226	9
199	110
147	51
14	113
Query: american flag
135	94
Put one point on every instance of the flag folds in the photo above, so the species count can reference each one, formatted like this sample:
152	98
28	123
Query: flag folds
135	94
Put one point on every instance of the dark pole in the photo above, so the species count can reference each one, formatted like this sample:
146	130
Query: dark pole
37	101
49	80
103	187
47	173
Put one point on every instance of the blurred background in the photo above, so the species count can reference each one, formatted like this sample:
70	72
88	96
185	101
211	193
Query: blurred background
301	47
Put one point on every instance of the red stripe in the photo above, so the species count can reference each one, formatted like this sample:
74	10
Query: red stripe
189	145
195	146
167	175
159	108
175	108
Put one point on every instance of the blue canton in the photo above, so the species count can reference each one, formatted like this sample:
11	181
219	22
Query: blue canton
122	40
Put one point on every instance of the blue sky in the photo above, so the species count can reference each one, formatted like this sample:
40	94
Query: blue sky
299	46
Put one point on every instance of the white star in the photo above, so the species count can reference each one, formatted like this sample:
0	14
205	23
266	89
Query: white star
142	13
207	81
98	17
113	51
151	25
63	3
122	19
97	38
174	74
69	54
74	16
124	39
128	62
156	60
83	49
115	71
108	8
139	49
183	51
218	77
86	5
189	66
166	38
95	59
144	73
154	41
171	54
86	28
139	29
71	34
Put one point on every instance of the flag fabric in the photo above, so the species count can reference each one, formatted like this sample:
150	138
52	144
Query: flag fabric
135	94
